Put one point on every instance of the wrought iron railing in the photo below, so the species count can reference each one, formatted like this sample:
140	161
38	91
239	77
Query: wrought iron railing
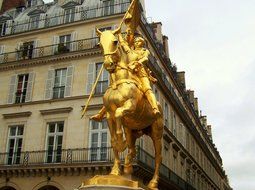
85	13
86	156
50	50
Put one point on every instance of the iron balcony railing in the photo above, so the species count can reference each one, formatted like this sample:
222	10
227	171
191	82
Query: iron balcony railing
81	14
84	156
50	50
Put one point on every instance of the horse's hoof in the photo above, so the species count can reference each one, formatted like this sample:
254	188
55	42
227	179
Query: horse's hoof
128	169
153	185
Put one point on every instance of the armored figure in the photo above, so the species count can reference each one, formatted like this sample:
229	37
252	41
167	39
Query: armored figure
138	58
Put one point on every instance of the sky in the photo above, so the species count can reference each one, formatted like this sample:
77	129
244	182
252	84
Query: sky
214	43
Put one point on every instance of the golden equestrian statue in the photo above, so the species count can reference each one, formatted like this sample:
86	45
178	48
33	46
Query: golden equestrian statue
130	106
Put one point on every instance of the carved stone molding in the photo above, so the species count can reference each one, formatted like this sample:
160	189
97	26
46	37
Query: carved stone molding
17	115
56	111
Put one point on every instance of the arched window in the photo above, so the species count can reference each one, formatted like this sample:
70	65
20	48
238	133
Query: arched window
48	187
7	188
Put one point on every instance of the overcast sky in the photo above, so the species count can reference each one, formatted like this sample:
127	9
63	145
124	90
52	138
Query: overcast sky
213	41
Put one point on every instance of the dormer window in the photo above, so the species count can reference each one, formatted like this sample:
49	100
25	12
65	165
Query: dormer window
108	7
34	21
31	3
3	27
69	14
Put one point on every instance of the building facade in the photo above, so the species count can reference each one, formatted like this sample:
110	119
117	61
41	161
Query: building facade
49	59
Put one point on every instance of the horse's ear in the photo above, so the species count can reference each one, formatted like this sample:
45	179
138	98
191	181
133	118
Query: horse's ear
98	32
117	31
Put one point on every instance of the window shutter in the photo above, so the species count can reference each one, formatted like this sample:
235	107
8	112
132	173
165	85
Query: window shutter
69	81
42	20
77	15
18	53
49	84
36	50
30	87
61	16
55	45
90	77
9	25
12	89
73	38
95	39
2	48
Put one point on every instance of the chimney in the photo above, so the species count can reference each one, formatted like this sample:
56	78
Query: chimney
196	106
203	120
166	46
181	79
209	131
10	4
190	94
157	27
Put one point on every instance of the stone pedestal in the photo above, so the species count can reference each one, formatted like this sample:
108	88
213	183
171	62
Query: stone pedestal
110	182
105	187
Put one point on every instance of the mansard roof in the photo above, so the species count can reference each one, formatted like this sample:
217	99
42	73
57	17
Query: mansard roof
70	4
36	12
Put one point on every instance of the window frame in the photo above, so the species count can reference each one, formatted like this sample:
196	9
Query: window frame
102	83
15	138
24	87
56	134
61	87
99	150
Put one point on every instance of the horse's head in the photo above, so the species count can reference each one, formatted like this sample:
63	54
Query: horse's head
109	44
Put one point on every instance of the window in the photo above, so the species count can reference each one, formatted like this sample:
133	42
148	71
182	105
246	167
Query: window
15	144
54	142
166	115
59	83
21	88
64	43
31	3
3	27
98	140
102	84
34	22
108	7
26	50
174	125
69	15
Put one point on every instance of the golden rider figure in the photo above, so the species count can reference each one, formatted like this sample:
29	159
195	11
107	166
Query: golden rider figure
138	59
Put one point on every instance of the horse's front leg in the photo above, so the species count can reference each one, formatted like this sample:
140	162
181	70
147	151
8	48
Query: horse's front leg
128	107
112	128
130	138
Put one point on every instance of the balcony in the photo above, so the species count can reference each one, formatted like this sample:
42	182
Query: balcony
144	162
84	13
50	50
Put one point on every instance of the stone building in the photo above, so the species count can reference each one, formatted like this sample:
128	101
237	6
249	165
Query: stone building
49	59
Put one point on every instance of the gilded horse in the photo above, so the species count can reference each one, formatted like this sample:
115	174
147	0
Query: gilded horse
127	108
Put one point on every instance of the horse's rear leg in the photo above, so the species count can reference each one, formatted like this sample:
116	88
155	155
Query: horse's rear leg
128	107
156	135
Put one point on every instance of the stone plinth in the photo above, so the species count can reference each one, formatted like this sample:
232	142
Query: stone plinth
110	182
105	187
